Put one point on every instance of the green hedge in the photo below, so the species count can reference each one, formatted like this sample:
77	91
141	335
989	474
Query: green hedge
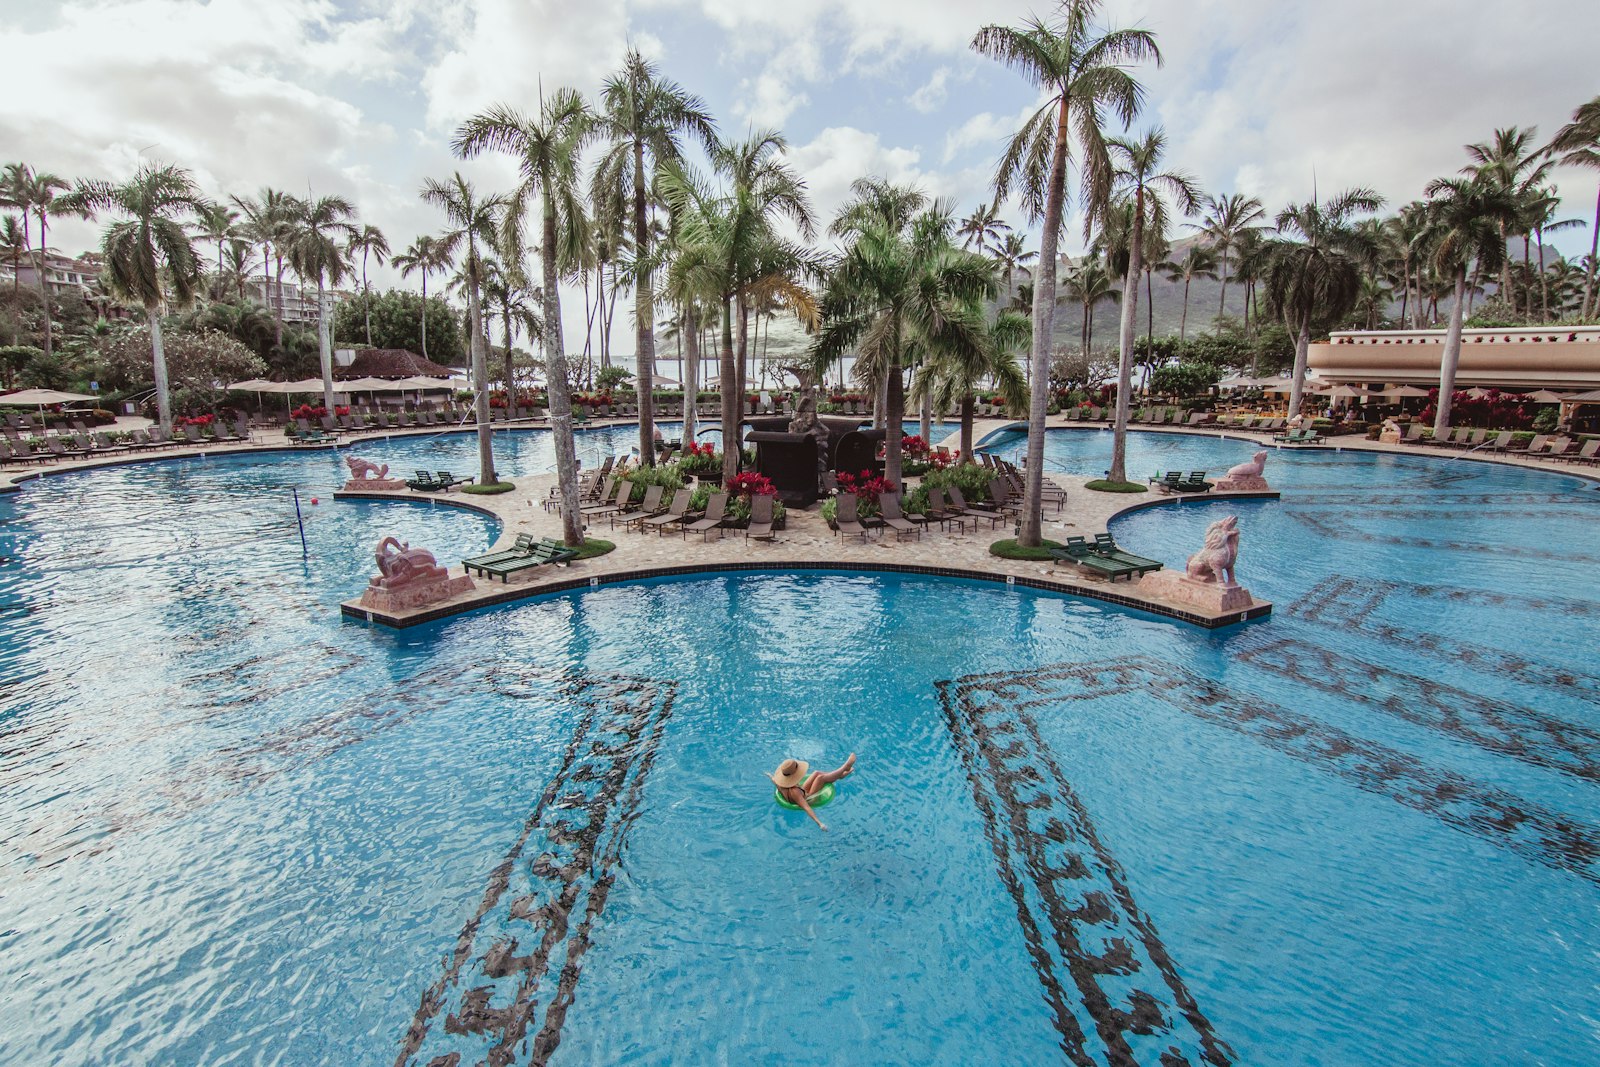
1009	549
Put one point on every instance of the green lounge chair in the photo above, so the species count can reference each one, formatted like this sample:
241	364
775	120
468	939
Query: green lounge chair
520	550
1077	551
446	479
1195	483
1105	546
424	482
542	554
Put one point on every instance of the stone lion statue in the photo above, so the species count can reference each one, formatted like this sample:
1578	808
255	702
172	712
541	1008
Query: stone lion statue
1214	562
399	564
1255	468
361	468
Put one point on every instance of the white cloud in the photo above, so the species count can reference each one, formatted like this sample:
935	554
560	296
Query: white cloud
930	96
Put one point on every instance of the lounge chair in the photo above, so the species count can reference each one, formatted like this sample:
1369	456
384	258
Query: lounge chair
959	504
760	526
1079	552
1502	440
1585	454
894	519
523	546
676	511
615	499
716	511
651	506
447	480
1105	546
424	482
1532	445
1413	434
541	554
941	513
1004	498
1195	483
847	522
1559	447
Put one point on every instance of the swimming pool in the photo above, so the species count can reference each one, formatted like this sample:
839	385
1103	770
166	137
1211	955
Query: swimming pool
234	828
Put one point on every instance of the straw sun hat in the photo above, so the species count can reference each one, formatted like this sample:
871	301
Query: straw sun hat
790	772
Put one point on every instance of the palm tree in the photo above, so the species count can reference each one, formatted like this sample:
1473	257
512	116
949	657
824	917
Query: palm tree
1510	161
1081	71
13	246
236	257
1138	178
902	291
425	256
27	190
270	223
1089	283
644	115
1578	145
548	150
475	222
1540	215
983	228
1226	219
729	245
1201	262
950	375
317	255
1469	217
1319	274
218	223
369	241
507	294
149	256
1014	257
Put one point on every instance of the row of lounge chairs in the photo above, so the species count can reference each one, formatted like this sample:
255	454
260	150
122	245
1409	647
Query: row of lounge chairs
436	481
526	554
947	507
1007	488
656	511
15	448
1551	446
1178	482
1298	437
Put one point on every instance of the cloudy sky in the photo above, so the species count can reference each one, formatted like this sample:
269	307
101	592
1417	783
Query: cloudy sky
360	97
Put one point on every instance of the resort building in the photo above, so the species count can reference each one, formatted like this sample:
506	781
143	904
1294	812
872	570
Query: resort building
299	303
62	273
1561	358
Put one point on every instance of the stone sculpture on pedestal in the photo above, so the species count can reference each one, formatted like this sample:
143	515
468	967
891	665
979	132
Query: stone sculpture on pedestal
1245	477
409	578
367	475
1207	582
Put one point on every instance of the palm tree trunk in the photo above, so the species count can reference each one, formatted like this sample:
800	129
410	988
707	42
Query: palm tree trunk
278	335
158	359
730	401
511	382
1450	360
691	368
1594	262
1544	280
324	346
366	291
555	372
1130	311
424	312
44	283
1222	301
743	369
966	426
894	403
644	313
1030	529
1297	384
480	378
925	427
1183	320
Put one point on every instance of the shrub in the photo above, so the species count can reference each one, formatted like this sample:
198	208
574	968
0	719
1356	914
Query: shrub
700	459
668	477
973	480
1101	485
1009	549
488	488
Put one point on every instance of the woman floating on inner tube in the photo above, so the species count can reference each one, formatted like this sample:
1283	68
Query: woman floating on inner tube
799	789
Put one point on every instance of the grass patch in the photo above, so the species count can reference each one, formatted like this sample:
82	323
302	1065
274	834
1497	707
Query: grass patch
1009	549
1100	485
491	489
594	546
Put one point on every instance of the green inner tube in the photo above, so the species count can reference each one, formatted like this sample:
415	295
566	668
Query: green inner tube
822	799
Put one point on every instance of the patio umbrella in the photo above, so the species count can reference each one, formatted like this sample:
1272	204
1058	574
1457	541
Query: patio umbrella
1401	391
38	398
250	385
1543	396
1592	397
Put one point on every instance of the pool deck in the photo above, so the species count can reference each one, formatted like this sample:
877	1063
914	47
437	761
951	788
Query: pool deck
807	543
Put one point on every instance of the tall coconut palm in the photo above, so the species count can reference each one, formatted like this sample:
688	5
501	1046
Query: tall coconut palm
1313	268
1511	161
1469	217
218	223
984	229
1539	213
1226	219
951	374
1577	144
316	252
1014	256
1142	183
28	190
548	150
507	295
1090	284
643	116
13	246
149	255
1081	71
369	241
474	228
1201	263
901	290
427	255
270	221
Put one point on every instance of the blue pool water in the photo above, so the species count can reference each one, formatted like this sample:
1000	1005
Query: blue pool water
236	829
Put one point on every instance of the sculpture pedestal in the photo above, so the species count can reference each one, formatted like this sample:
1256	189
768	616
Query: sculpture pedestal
1241	483
1179	588
413	595
382	485
1390	434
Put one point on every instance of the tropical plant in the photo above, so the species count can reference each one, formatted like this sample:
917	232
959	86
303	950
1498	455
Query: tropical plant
1226	220
474	224
1082	72
1510	162
1199	263
1468	217
1577	144
507	295
270	223
984	228
149	256
370	242
426	255
1313	268
1142	184
13	246
548	149
1014	257
317	254
643	117
28	190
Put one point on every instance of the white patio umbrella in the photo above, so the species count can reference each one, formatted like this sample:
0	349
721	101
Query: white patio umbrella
1544	396
38	398
1401	391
